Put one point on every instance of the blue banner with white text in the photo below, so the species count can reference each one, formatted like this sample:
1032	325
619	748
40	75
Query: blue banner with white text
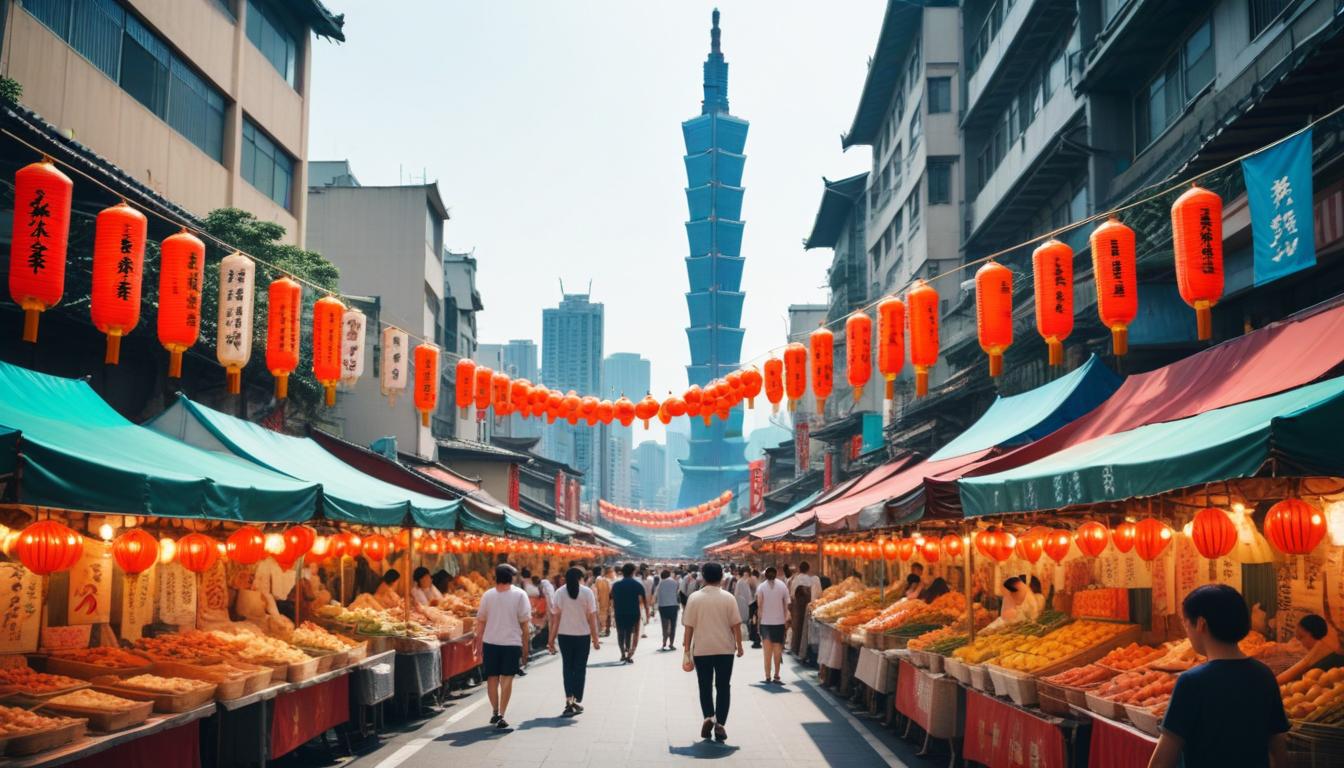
1278	189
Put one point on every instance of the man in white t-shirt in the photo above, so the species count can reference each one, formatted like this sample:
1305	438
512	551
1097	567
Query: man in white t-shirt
772	610
503	629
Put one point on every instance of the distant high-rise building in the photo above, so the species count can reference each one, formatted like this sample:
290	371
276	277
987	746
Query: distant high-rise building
678	448
650	459
714	160
571	358
518	360
623	373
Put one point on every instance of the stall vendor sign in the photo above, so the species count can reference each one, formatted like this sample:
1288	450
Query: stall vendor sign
137	602
1278	191
21	619
90	597
177	595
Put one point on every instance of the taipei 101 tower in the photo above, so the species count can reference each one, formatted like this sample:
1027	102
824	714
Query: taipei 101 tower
714	160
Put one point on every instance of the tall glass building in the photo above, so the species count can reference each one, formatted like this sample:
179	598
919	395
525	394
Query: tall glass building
714	143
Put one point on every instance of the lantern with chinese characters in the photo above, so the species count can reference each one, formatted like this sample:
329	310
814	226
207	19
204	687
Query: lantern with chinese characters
135	551
1092	538
1197	238
774	382
393	377
197	552
1151	536
795	373
39	241
283	307
922	307
499	393
1213	533
953	545
646	409
48	546
245	546
751	385
858	351
994	312
328	312
353	325
822	353
1052	270
181	269
484	379
1294	527
890	341
1123	537
623	411
426	381
464	384
376	547
1114	269
1057	544
118	266
233	339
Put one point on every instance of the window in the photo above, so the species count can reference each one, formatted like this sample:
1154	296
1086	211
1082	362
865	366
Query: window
1264	12
272	38
140	61
912	208
940	183
940	94
916	129
1184	76
266	166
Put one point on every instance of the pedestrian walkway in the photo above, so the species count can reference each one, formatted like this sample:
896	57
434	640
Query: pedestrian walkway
647	714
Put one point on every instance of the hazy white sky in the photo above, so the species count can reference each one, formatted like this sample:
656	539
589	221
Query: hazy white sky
554	131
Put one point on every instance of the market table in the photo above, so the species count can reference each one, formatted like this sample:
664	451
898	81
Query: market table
460	656
1118	745
159	735
998	733
875	670
932	700
308	709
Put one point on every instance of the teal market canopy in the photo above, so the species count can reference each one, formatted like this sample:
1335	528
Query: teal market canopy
1298	429
348	495
76	452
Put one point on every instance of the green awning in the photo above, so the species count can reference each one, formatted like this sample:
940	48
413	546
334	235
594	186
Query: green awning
798	506
347	494
78	453
9	447
1299	429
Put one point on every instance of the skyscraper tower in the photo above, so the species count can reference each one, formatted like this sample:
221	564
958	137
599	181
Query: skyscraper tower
714	142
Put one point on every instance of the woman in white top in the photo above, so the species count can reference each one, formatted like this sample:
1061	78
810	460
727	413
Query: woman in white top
424	593
574	625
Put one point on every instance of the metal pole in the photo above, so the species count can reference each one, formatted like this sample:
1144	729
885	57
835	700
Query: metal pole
410	556
968	547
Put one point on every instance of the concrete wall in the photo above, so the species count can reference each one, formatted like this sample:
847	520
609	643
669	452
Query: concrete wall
71	93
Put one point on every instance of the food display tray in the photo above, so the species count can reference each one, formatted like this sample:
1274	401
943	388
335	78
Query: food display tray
304	670
981	679
166	703
230	683
33	742
105	720
1018	686
25	698
85	671
1144	719
958	669
1105	707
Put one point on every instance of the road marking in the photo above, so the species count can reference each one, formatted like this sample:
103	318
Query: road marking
881	749
417	744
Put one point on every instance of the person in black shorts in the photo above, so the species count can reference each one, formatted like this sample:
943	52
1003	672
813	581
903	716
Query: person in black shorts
503	623
628	602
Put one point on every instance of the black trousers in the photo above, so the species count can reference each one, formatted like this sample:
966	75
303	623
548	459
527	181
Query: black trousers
753	629
668	613
713	673
625	632
574	663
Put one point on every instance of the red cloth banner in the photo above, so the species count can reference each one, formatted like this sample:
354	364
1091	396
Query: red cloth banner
757	487
514	486
1001	736
302	715
560	494
802	446
1113	746
855	447
460	656
572	504
827	470
907	701
180	747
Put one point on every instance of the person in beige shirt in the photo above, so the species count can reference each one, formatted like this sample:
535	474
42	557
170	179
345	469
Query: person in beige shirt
602	588
713	634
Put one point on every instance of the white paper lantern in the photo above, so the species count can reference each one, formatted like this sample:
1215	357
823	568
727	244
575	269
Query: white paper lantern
233	342
396	362
352	346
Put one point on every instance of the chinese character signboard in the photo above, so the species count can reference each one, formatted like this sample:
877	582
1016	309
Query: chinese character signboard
756	470
802	445
827	470
137	603
91	586
561	513
514	489
23	608
1278	189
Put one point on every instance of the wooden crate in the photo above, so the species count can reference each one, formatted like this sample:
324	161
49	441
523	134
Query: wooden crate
1089	655
83	671
105	720
34	742
166	703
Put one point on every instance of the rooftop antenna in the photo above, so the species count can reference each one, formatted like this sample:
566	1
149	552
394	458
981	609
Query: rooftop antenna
562	287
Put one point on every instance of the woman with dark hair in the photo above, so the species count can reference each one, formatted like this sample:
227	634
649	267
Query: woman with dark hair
936	589
386	594
912	586
1037	595
1322	644
573	626
442	581
1017	604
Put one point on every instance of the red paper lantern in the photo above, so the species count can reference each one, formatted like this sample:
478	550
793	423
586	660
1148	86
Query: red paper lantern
376	547
328	317
1294	527
500	391
1115	272
1123	536
985	541
39	241
135	551
646	409
752	382
922	305
48	546
464	385
336	546
953	546
1151	537
118	266
1197	238
998	545
481	393
520	391
890	341
426	381
821	345
795	373
994	312
1030	547
624	411
181	271
354	545
245	546
774	382
858	351
889	550
930	549
283	308
1092	538
1057	544
905	549
1213	533
197	552
1052	270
